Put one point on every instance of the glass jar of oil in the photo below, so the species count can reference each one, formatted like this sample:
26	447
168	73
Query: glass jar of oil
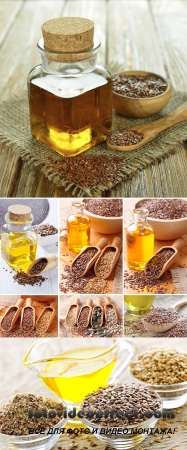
140	241
78	226
70	96
19	242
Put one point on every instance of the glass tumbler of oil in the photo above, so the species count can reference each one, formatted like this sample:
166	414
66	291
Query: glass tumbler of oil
78	226
19	242
138	305
140	241
70	96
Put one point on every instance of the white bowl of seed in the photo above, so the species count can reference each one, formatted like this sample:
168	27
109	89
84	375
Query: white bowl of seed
139	93
106	215
167	216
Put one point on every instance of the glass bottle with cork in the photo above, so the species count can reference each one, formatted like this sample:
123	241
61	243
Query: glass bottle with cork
140	241
19	242
70	96
78	226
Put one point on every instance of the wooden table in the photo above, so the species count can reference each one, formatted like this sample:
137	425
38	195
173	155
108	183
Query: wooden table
168	285
140	34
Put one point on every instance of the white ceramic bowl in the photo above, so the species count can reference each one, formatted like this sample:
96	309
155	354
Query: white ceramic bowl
168	229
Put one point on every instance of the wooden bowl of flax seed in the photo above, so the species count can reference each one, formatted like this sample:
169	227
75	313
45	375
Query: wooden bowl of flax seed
140	94
167	216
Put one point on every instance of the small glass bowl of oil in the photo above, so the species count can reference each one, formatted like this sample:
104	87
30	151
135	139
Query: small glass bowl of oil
72	369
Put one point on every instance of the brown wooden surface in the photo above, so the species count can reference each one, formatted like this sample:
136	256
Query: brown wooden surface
140	34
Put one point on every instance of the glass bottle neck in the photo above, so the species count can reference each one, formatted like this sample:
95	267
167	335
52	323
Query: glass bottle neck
140	217
18	227
72	64
78	209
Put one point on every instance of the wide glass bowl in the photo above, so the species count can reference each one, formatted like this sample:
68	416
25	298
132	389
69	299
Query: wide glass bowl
129	435
172	395
32	441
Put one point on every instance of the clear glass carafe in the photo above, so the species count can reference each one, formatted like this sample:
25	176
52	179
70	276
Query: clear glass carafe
70	97
19	242
140	241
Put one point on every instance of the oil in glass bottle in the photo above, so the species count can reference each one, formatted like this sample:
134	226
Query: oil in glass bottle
140	241
70	96
78	226
19	242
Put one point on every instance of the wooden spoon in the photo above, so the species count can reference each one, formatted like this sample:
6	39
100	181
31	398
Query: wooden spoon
32	320
99	304
75	305
100	244
115	247
16	309
151	129
176	246
52	310
87	306
109	304
160	328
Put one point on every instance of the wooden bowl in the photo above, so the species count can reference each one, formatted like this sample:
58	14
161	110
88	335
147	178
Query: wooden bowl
105	225
167	229
141	107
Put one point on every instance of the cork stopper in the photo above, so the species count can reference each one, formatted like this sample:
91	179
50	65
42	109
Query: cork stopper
19	213
68	34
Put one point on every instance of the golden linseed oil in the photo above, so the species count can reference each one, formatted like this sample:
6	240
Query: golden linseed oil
74	379
78	226
140	241
18	250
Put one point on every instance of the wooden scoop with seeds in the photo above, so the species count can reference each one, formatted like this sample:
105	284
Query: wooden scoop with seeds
86	259
28	316
108	259
151	129
85	310
158	265
169	323
73	312
97	314
11	315
109	304
46	317
42	265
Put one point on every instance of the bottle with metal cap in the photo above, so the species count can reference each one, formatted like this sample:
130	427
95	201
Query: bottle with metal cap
70	96
19	242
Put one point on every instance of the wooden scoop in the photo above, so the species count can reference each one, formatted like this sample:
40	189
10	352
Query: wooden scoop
160	328
151	129
52	310
16	309
116	248
87	306
109	304
176	246
24	309
100	244
98	304
49	262
76	305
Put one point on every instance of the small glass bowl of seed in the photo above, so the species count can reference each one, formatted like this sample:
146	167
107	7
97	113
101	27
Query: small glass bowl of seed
36	418
123	414
140	94
164	369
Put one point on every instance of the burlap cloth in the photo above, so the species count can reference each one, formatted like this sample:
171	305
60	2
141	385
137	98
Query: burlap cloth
15	135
